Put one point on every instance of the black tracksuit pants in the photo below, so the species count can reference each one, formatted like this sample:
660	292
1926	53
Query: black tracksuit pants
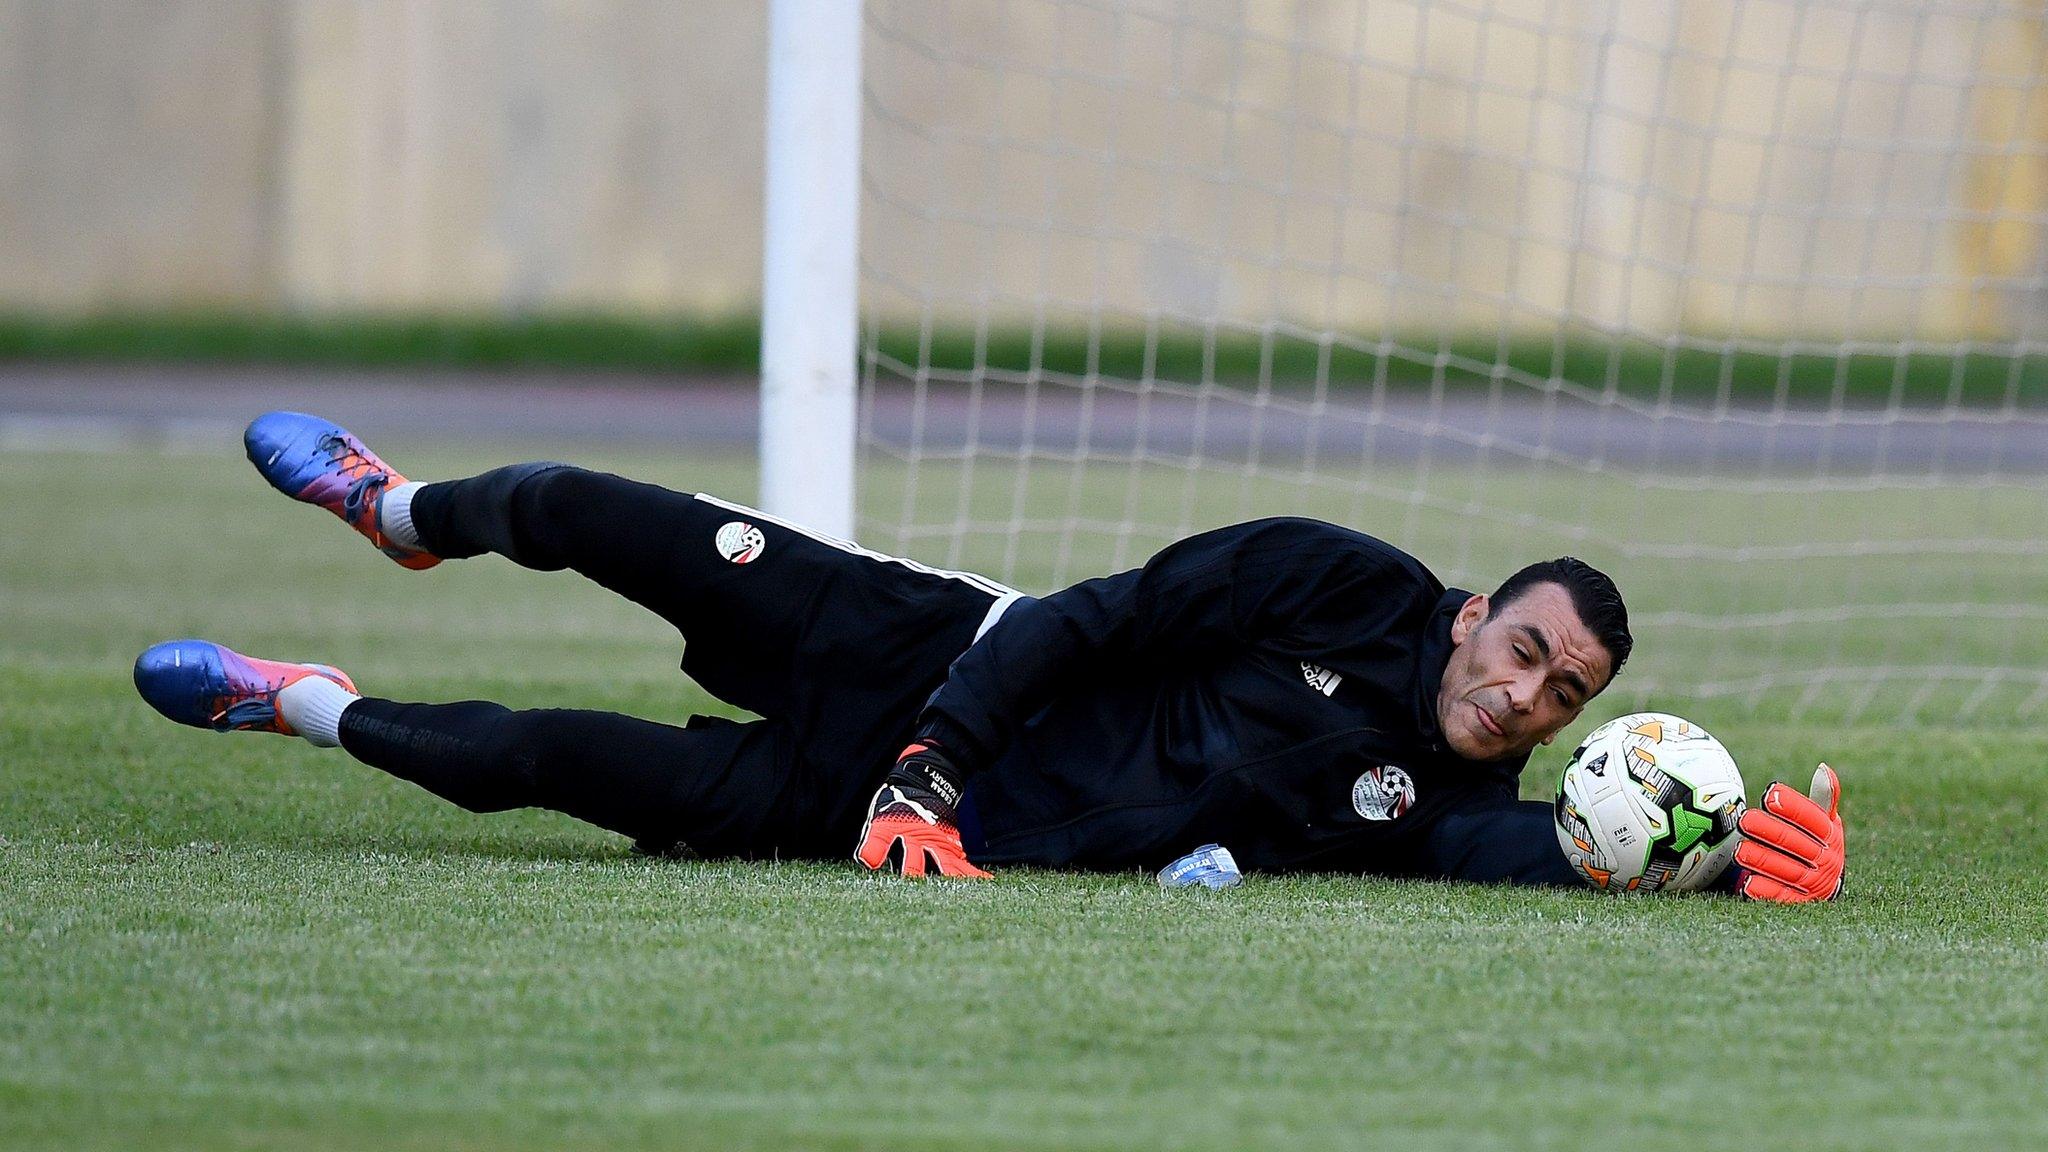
837	649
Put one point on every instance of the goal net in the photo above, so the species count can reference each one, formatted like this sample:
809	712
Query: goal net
1744	302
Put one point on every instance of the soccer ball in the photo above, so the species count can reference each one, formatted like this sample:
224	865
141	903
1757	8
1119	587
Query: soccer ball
1649	802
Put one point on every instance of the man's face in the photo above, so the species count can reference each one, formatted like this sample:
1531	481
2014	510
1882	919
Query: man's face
1517	677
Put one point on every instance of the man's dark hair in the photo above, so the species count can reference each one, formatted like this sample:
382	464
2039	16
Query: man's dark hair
1594	597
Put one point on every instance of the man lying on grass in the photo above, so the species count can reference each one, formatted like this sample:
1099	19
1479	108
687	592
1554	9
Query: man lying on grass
1305	695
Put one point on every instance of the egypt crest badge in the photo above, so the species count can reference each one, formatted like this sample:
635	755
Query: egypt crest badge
740	542
1383	793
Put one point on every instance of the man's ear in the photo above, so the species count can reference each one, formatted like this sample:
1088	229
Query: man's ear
1469	618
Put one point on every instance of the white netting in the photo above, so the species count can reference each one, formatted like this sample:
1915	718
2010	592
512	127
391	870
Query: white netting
1743	302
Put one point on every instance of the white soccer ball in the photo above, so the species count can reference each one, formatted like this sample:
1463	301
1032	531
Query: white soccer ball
1649	802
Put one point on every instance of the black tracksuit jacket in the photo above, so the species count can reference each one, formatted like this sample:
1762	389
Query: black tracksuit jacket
1270	686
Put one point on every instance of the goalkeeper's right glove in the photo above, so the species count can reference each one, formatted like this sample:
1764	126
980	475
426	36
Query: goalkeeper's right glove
913	823
1793	849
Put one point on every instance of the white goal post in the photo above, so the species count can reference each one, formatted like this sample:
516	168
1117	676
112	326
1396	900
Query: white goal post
1745	301
810	236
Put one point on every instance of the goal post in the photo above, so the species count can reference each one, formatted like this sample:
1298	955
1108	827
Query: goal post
811	234
1746	303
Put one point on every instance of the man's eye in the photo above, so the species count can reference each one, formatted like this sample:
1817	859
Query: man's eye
1521	654
1562	699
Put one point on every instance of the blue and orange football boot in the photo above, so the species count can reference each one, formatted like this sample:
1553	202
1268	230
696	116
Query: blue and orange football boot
206	685
320	462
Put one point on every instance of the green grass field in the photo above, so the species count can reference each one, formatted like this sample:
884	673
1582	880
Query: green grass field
244	942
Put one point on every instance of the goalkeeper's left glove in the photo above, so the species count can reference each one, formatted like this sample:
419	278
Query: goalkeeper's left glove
1793	849
913	822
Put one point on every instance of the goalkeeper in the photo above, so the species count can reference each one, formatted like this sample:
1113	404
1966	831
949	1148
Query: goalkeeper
1308	696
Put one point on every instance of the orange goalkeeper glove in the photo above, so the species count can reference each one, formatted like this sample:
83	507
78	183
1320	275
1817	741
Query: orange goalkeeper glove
1793	849
913	826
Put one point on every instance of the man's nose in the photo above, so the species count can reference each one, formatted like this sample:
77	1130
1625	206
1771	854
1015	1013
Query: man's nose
1522	693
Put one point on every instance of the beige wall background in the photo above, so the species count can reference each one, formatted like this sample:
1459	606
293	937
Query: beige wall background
1828	170
443	154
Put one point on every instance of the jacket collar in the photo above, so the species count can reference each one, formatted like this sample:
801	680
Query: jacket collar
1430	660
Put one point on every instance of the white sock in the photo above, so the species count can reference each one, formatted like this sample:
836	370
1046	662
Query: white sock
394	515
313	707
